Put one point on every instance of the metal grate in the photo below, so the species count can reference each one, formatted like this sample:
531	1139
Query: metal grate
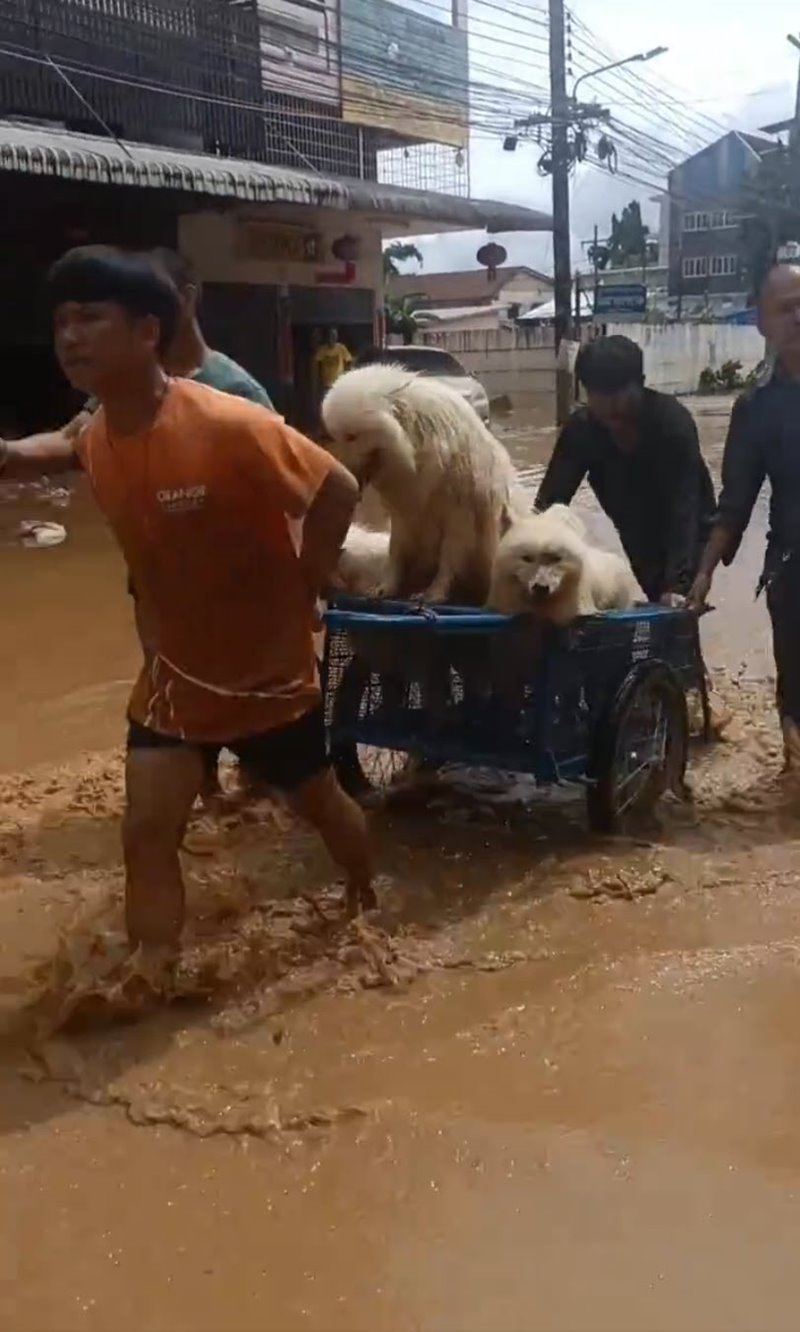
188	74
300	134
125	44
509	694
432	167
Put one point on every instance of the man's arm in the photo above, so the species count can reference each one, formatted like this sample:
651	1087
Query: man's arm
686	464
743	473
566	469
317	494
40	455
326	525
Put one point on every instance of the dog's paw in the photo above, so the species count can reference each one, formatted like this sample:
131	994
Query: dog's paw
434	595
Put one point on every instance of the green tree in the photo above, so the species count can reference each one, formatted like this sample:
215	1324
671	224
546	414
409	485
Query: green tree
770	208
399	252
628	241
401	315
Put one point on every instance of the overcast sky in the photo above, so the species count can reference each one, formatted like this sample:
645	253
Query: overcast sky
728	65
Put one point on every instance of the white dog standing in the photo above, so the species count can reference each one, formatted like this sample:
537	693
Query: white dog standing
449	488
545	566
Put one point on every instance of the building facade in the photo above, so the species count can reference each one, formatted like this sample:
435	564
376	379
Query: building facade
708	268
251	136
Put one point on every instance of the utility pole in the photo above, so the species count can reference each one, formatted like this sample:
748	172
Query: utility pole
794	132
595	265
566	113
562	261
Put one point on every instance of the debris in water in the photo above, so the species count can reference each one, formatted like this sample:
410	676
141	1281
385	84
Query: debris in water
34	533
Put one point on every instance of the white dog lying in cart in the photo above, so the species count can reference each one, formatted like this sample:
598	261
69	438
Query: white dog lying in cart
545	566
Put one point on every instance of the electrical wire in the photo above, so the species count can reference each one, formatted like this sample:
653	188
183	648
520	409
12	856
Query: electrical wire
367	104
661	94
482	97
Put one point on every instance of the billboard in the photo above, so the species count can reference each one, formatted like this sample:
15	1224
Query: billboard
404	72
622	301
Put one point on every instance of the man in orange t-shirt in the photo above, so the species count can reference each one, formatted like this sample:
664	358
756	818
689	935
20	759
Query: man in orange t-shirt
230	523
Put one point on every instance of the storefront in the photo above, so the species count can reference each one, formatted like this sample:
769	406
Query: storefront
274	285
283	255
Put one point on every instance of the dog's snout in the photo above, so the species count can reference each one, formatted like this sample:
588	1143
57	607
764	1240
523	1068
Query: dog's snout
539	589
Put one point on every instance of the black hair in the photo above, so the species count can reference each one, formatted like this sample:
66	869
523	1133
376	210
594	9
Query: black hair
180	270
609	364
764	279
94	273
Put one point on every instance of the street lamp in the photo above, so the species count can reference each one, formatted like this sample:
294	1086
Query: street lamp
639	58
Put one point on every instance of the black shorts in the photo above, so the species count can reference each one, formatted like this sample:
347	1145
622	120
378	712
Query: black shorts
784	609
285	758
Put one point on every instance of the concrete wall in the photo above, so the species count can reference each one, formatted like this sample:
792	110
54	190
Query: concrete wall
514	363
675	354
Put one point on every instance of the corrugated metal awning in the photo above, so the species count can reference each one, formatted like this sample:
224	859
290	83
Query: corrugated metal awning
42	151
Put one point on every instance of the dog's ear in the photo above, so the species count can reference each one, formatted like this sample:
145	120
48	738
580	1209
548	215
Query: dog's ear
506	520
568	517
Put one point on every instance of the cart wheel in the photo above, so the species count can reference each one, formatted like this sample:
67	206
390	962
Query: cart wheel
362	769
639	748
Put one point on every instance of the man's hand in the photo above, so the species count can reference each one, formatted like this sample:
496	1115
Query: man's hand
697	599
673	600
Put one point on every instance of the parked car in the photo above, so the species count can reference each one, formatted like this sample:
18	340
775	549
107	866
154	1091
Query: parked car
433	361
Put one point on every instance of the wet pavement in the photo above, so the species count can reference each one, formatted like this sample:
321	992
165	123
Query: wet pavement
554	1087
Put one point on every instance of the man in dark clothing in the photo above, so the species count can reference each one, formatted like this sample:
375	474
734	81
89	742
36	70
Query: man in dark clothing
764	443
640	453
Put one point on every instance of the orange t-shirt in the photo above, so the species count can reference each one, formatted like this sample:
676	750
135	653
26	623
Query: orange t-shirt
207	506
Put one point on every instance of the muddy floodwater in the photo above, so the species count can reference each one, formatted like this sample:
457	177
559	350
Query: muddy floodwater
554	1088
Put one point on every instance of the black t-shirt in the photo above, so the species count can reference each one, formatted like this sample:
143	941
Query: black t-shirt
659	495
764	444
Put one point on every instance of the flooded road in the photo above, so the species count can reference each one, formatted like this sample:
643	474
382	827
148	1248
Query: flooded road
553	1090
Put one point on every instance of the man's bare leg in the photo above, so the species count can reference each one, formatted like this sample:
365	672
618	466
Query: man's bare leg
161	786
342	825
211	788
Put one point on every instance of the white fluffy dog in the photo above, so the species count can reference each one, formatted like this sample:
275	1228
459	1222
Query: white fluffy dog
545	566
363	564
449	488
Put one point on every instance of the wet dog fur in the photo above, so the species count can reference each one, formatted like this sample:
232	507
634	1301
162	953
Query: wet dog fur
546	567
448	486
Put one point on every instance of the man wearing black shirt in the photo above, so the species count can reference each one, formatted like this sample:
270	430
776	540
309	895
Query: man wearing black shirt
640	453
764	443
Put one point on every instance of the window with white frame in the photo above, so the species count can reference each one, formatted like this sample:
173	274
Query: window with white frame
696	221
723	265
723	219
696	266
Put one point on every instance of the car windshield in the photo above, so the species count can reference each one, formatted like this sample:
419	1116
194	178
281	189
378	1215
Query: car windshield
424	360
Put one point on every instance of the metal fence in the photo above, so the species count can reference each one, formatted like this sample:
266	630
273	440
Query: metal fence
184	73
168	72
188	74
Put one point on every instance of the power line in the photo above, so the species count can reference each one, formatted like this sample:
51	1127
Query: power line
667	95
434	118
482	95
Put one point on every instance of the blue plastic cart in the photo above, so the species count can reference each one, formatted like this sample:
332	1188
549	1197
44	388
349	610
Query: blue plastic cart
601	702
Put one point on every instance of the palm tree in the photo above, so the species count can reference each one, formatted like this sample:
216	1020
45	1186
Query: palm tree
399	252
401	315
